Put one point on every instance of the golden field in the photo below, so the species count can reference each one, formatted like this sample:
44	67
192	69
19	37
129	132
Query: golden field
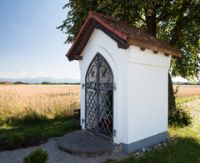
17	101
45	100
187	90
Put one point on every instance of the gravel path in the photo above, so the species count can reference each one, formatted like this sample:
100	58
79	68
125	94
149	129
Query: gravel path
55	155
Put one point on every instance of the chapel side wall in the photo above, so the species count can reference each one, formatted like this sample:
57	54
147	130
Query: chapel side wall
148	94
118	61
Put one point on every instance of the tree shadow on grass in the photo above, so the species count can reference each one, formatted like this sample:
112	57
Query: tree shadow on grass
30	118
183	150
33	129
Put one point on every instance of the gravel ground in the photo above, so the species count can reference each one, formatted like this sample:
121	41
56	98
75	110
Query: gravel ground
55	155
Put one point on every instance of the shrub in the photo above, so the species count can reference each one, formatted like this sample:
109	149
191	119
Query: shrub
180	117
37	156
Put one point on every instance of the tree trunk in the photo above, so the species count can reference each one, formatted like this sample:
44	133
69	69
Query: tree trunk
151	22
171	97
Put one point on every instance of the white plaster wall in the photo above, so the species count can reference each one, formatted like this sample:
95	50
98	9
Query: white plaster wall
140	98
118	60
148	94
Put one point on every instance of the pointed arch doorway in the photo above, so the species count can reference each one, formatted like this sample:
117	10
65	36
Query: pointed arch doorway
99	97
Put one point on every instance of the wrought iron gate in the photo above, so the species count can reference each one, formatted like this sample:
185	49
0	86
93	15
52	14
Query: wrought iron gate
99	97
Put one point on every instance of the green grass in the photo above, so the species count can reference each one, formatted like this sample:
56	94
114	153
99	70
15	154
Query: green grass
184	149
183	100
26	132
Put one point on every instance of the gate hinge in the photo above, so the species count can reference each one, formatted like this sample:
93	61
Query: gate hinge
114	132
82	85
83	121
114	86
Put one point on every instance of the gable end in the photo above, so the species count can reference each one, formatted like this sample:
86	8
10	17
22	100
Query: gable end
84	36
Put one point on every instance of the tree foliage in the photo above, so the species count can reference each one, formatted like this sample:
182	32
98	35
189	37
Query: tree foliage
176	22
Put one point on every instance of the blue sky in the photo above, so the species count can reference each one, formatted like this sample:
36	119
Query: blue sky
30	44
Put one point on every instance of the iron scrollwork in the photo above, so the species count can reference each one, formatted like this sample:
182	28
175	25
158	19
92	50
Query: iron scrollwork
99	97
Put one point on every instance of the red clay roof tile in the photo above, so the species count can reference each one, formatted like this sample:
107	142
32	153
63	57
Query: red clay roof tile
129	35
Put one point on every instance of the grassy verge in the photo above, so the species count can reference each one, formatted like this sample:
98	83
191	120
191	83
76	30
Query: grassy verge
183	100
30	114
26	132
184	149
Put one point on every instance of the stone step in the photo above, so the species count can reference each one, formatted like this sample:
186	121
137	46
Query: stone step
85	143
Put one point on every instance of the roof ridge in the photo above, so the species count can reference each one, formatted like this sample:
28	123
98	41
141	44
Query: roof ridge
93	13
123	33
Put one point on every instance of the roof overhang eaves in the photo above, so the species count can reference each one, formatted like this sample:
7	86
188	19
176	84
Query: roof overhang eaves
96	22
122	39
70	53
167	51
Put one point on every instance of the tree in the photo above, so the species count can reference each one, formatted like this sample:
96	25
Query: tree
176	22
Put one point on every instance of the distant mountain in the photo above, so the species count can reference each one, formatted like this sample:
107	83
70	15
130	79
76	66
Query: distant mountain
40	80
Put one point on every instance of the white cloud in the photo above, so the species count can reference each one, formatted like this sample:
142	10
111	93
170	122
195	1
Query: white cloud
41	72
24	72
179	79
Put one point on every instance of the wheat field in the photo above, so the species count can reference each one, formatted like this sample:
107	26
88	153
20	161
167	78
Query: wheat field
51	100
45	100
187	90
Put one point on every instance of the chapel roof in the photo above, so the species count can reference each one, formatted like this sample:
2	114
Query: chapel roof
124	34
